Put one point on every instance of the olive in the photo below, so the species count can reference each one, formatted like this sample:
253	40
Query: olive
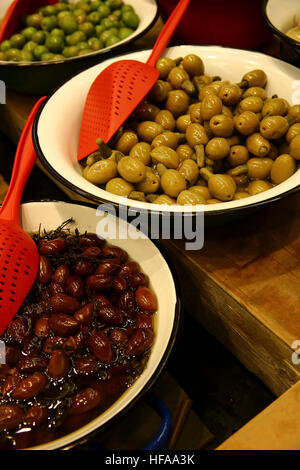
196	134
177	102
101	171
258	186
193	64
190	197
227	111
251	103
246	123
127	140
167	138
221	125
177	76
165	155
259	168
283	167
207	90
141	151
119	186
213	201
166	119
294	111
217	148
146	111
160	91
273	127
164	65
255	91
230	94
184	152
132	170
194	110
210	105
164	199
189	170
240	195
222	187
238	155
274	107
295	147
150	184
172	183
293	131
255	77
258	145
182	122
148	130
202	190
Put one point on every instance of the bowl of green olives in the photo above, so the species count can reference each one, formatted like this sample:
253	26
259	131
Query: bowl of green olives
57	41
285	25
219	132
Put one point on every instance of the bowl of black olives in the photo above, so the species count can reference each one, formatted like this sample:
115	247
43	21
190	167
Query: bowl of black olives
219	132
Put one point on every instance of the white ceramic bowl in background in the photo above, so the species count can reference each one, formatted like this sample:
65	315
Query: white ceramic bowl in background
50	215
57	126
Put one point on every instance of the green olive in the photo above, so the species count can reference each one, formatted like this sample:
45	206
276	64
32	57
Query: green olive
258	186
255	77
294	111
207	90
172	183
166	119
189	170
165	155
292	132
146	111
167	138
217	148
132	170
160	90
177	76
222	187
210	105
230	94
246	123
255	91
274	107
141	151
295	147
148	130
165	65
258	145
221	125
193	65
202	190
187	197
150	184
194	110
101	172
240	195
213	201
238	155
273	127
177	102
259	168
227	111
119	187
127	140
196	134
164	199
283	167
182	122
184	152
251	103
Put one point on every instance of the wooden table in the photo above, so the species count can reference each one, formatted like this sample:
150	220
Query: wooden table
244	288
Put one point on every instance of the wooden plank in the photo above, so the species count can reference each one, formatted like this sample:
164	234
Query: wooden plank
275	428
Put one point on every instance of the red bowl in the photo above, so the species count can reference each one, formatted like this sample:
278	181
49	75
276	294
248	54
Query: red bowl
231	23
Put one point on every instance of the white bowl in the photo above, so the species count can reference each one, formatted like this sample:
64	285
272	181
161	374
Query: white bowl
50	215
57	126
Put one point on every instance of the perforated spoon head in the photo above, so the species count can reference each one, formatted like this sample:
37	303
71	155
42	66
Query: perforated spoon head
18	269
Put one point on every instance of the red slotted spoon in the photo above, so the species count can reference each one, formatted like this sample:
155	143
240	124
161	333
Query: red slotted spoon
11	21
19	258
119	88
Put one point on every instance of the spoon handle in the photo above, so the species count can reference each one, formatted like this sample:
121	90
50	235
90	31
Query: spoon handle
167	31
23	163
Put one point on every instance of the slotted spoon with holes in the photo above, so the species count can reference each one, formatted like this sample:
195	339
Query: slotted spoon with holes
19	258
119	88
11	21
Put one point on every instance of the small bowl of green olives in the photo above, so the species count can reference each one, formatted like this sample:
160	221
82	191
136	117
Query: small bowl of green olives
219	132
284	22
57	41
